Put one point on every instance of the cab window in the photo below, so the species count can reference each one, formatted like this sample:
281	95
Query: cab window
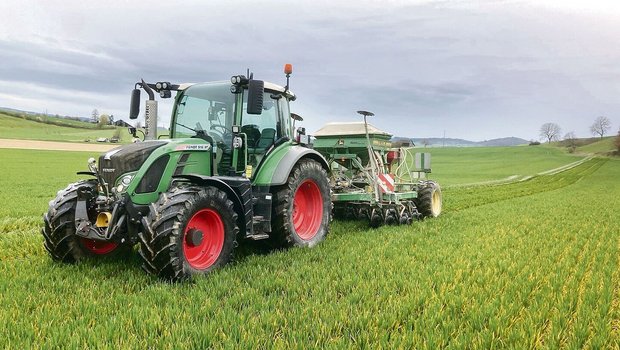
262	129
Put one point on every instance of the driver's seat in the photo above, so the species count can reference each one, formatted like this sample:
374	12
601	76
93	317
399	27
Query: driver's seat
253	134
267	137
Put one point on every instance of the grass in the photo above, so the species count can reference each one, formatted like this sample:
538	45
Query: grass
601	146
49	119
525	265
464	165
28	180
18	128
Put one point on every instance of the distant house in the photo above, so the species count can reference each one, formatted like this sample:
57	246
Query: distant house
122	123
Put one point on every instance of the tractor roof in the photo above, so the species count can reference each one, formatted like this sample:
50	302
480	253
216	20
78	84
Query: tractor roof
268	86
350	128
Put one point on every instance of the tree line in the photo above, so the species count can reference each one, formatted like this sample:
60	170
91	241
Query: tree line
600	128
552	131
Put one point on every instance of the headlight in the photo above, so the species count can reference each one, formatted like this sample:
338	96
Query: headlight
126	180
237	142
124	183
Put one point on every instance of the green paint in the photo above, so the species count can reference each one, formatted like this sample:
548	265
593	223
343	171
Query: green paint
199	163
270	165
342	145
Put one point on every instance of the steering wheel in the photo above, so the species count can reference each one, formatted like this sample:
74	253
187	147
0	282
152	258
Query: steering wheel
220	136
224	129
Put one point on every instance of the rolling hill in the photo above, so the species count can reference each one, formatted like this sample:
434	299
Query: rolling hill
455	142
18	128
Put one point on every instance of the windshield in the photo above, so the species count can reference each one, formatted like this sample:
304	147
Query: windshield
205	110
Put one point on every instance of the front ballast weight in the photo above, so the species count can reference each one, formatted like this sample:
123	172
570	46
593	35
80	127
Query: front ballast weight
373	181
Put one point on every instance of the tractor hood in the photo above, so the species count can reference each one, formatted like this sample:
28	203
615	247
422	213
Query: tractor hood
124	159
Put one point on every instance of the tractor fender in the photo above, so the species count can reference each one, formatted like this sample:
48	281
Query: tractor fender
286	164
203	180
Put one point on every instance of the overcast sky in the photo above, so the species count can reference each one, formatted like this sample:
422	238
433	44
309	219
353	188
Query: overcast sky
474	69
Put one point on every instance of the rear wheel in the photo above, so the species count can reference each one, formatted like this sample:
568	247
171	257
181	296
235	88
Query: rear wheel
302	209
429	201
189	231
59	232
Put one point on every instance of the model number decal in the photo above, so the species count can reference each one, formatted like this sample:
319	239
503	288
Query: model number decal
193	147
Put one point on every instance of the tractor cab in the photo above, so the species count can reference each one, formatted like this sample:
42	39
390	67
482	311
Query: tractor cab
239	133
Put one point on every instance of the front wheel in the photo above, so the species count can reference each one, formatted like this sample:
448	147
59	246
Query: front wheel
189	231
59	232
302	209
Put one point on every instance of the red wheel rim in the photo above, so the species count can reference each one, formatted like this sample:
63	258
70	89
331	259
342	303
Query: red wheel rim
307	210
98	247
203	254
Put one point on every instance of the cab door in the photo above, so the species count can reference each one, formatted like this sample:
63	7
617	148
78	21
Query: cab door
260	131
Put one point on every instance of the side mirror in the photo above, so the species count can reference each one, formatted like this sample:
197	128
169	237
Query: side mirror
132	131
256	89
134	108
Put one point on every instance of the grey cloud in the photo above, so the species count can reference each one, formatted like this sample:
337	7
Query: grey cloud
509	65
56	67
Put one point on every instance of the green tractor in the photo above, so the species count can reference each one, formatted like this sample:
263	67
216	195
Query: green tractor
233	168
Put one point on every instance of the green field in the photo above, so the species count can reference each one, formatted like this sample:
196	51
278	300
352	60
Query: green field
602	146
465	165
524	265
18	128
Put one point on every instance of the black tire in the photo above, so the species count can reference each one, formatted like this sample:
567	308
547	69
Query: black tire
58	231
376	217
429	201
167	246
309	177
391	217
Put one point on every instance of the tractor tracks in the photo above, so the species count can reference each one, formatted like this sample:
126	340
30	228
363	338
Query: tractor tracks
460	198
521	178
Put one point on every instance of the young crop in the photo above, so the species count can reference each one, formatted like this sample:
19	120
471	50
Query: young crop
525	265
466	197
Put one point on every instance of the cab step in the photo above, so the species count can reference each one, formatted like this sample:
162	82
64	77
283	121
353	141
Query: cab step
258	237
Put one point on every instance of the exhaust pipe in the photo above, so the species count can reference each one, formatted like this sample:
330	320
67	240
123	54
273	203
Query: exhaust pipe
150	120
150	114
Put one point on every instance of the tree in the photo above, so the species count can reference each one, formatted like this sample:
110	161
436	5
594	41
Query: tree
570	140
550	131
601	126
117	134
95	115
104	120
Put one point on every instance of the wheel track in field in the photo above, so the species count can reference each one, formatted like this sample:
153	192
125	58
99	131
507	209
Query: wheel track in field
521	178
460	198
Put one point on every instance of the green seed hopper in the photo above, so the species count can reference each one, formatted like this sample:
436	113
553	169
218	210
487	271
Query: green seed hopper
371	180
350	139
